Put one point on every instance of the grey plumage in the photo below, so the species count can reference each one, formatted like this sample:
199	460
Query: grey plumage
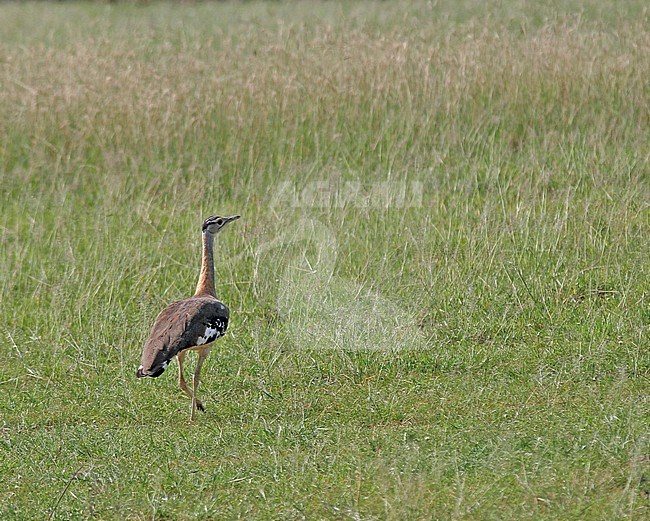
184	324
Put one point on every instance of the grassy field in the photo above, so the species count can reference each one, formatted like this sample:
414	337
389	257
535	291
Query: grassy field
439	284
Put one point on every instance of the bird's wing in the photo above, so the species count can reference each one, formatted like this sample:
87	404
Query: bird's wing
181	325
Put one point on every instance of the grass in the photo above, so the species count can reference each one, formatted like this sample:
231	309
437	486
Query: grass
477	350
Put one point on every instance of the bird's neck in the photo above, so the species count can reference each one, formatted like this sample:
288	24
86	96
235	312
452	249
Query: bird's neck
205	287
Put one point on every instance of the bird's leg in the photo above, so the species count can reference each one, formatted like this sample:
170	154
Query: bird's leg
203	353
181	379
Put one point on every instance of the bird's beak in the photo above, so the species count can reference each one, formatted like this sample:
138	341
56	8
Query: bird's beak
233	218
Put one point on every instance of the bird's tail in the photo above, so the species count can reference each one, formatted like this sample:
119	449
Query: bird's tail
154	372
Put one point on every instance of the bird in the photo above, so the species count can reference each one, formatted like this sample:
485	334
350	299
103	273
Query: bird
192	324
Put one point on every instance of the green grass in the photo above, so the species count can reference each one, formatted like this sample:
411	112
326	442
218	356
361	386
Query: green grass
480	353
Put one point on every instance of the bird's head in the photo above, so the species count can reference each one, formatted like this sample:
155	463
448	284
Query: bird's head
213	225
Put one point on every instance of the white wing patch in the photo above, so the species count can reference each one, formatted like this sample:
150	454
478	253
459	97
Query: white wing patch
214	329
209	335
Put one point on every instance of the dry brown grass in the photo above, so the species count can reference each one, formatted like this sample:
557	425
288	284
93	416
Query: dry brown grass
252	92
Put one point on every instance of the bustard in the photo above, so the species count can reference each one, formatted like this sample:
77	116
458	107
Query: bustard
190	324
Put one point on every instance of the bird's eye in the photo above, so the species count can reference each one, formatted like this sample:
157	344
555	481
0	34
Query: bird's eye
219	222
